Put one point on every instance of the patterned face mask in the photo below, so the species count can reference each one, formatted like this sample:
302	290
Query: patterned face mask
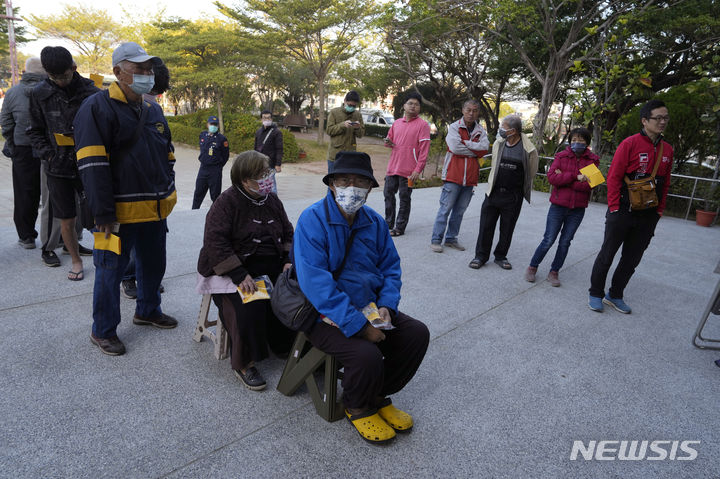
350	198
265	185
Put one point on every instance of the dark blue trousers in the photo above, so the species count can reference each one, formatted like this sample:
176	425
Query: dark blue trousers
209	177
148	240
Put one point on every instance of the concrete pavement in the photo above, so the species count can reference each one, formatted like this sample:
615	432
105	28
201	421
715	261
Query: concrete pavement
514	374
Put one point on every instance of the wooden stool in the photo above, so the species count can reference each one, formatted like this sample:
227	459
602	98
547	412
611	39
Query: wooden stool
219	336
300	367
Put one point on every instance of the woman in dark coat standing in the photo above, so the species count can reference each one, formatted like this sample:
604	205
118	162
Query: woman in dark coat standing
247	234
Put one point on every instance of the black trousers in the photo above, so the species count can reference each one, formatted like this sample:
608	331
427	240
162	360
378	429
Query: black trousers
374	370
252	326
209	177
393	184
26	191
506	206
632	231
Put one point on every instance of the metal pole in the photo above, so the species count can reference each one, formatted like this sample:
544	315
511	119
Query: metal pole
692	197
11	40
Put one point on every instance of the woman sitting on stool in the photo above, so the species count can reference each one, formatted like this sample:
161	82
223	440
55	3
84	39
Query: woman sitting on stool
247	234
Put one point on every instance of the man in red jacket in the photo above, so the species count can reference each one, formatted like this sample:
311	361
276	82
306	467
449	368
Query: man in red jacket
631	229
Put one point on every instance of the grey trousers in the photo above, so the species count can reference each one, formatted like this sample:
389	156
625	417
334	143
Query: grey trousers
49	226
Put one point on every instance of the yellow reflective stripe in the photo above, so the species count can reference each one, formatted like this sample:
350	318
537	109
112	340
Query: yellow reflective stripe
171	156
93	150
144	211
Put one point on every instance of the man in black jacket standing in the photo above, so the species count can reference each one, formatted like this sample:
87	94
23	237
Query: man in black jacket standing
15	120
53	105
269	141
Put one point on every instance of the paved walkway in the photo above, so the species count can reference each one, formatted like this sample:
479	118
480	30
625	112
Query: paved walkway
514	374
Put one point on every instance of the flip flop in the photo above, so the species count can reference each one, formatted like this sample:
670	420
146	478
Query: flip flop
76	275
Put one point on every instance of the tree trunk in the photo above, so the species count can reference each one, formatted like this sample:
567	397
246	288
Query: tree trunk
220	114
546	101
321	113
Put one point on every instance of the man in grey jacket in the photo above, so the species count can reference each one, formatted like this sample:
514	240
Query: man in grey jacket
15	119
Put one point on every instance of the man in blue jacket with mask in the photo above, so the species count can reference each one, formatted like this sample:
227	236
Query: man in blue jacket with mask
214	153
378	362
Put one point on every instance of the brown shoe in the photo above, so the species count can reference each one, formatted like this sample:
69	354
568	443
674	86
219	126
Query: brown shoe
530	274
553	279
163	322
111	346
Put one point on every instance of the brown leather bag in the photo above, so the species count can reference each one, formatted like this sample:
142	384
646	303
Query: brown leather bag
642	193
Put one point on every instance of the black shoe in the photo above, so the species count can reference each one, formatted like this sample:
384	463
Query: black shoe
27	243
161	288
163	322
128	288
50	259
503	263
81	249
112	346
252	379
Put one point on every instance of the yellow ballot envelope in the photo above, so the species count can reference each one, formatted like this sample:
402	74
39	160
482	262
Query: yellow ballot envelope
110	244
261	293
595	176
64	140
97	79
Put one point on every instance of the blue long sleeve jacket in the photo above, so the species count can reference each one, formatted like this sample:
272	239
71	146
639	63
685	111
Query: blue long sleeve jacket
371	273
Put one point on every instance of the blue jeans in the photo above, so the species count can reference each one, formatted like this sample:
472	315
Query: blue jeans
558	217
454	200
148	240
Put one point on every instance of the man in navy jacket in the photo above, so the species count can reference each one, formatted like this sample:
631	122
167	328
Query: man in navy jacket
214	153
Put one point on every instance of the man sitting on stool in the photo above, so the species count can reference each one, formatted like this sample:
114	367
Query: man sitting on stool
377	362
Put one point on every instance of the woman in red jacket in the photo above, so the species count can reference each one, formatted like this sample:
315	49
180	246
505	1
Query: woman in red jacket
569	198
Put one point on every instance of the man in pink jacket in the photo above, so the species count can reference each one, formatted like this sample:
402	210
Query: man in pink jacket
409	138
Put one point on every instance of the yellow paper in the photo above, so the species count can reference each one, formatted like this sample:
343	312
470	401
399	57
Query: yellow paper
64	140
371	312
261	293
595	176
97	79
110	244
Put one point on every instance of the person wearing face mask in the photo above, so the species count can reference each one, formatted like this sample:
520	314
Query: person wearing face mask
214	153
247	234
344	126
269	141
126	162
378	363
513	167
569	199
54	103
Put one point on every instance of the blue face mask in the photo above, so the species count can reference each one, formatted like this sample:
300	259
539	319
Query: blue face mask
349	108
142	83
213	128
578	148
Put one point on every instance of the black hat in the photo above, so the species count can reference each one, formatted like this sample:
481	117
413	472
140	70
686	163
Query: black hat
354	162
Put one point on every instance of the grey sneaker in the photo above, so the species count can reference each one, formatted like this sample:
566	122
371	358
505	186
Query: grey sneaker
436	247
28	243
456	246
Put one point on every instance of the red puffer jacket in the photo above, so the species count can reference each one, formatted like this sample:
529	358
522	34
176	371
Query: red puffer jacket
567	190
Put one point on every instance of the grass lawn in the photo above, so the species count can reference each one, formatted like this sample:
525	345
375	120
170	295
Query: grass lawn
317	152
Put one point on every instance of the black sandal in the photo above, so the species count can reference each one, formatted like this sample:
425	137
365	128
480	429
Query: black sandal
396	233
503	263
476	263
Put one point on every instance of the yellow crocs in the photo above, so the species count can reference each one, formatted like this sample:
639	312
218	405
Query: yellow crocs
371	427
394	417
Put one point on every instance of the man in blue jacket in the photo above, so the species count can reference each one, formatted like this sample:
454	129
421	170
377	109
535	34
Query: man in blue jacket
378	362
125	157
214	153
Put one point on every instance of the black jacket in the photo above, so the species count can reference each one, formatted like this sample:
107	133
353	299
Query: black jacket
52	110
15	116
269	141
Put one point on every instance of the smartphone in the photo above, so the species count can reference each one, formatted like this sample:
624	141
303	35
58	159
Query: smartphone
354	122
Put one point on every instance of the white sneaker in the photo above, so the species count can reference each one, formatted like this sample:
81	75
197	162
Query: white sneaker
436	247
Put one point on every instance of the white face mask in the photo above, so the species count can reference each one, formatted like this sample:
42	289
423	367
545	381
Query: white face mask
266	123
350	198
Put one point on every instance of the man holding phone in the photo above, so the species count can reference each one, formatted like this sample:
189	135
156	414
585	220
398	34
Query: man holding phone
344	125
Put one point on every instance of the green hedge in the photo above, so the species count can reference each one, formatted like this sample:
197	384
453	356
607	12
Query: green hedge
380	131
239	129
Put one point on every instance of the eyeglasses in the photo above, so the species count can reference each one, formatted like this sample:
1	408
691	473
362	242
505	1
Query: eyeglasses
65	77
660	119
265	175
344	181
